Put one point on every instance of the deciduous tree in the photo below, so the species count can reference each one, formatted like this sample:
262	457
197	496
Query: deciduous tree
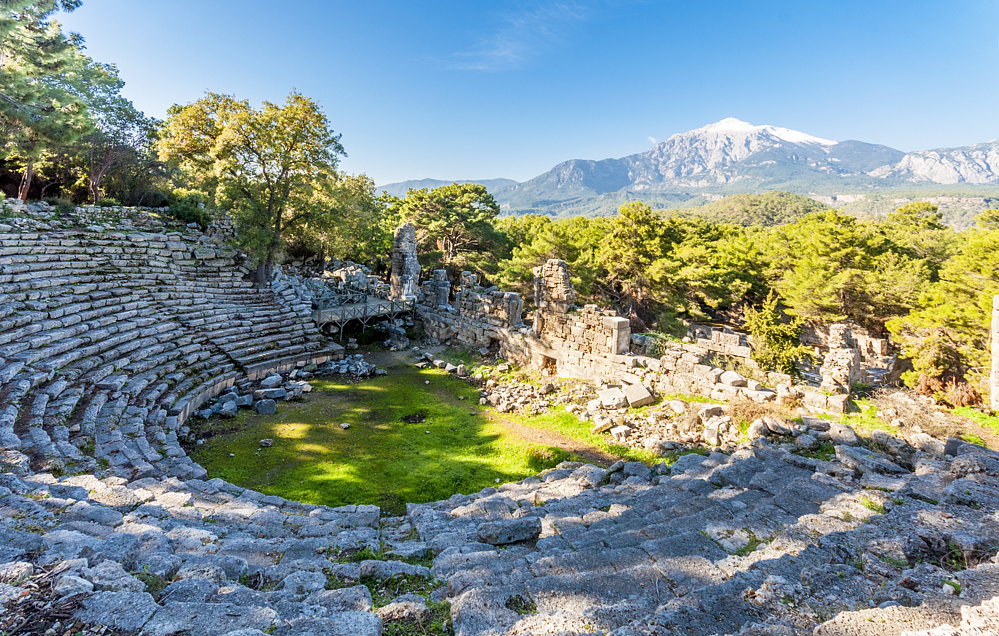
264	164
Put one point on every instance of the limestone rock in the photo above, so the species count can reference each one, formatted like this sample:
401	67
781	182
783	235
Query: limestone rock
510	531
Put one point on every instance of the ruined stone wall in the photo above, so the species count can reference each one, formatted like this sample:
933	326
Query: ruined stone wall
478	317
843	365
590	343
562	325
405	276
723	341
822	336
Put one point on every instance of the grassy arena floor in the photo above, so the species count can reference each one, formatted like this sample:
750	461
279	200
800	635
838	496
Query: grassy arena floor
380	459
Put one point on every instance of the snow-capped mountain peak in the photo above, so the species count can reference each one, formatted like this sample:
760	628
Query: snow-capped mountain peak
733	127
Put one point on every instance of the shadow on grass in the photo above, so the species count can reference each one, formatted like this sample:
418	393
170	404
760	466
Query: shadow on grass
380	459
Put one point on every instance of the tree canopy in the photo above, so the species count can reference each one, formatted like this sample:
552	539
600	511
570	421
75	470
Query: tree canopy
455	219
263	164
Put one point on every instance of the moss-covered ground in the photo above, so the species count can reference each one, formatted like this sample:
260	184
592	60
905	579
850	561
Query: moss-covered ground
380	459
560	421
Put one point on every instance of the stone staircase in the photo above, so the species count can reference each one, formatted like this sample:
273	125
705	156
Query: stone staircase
719	544
109	339
759	542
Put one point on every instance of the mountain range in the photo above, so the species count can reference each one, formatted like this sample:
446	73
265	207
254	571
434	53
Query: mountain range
732	156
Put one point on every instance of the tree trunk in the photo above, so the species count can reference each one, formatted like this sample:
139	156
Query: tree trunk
29	173
994	385
263	274
272	249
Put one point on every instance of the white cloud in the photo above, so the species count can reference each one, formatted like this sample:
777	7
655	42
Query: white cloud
653	140
522	34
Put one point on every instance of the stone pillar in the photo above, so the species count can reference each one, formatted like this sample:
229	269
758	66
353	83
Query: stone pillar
843	365
442	288
405	266
994	387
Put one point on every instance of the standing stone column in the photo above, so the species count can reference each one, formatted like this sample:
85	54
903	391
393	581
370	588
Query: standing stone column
994	388
405	266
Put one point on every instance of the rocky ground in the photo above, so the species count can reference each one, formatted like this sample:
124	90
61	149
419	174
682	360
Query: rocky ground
790	527
762	541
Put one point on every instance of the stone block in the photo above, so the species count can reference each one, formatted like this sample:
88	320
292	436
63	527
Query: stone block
637	396
732	378
267	407
510	531
613	398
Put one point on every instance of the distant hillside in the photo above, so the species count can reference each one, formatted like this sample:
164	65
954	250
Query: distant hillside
734	157
400	189
770	208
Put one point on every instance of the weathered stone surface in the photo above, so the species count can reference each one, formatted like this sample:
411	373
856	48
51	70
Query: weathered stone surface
348	599
637	395
732	378
510	531
863	461
124	611
266	407
271	381
613	398
207	618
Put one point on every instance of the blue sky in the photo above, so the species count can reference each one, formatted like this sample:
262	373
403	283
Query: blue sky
477	90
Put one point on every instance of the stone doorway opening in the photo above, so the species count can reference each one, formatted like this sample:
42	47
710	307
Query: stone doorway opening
549	366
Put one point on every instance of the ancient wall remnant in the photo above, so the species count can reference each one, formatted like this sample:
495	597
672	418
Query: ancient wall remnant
723	341
995	354
478	317
564	326
405	266
843	365
590	343
820	334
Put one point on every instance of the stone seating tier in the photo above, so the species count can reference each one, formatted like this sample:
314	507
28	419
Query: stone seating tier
143	321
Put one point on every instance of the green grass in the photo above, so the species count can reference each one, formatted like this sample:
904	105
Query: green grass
990	422
558	420
379	460
867	419
825	452
872	505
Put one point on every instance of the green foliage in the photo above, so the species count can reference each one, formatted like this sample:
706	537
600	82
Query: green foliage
829	267
452	221
778	346
264	164
346	220
767	209
47	85
947	334
872	505
187	206
107	202
154	584
986	420
988	220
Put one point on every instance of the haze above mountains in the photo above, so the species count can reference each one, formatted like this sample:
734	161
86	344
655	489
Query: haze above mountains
732	156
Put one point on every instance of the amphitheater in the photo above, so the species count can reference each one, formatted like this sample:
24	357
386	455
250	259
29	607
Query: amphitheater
117	325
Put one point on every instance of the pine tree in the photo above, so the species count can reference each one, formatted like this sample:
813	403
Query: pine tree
44	81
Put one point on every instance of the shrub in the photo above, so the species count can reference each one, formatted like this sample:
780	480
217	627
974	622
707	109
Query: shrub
107	202
778	344
62	204
187	206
